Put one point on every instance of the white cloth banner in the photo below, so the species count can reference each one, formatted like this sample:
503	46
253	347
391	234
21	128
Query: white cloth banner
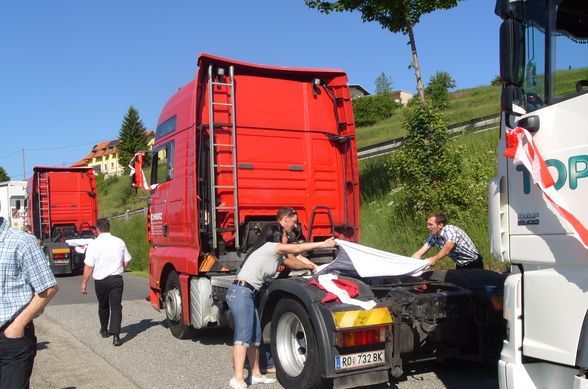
370	262
79	244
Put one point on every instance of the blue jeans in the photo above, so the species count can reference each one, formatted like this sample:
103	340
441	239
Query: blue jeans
241	301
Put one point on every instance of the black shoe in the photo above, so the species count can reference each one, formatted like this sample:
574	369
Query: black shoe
116	340
104	333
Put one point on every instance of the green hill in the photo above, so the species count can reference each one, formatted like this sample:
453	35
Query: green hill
465	105
115	196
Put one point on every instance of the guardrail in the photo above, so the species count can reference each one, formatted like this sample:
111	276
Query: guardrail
129	213
473	125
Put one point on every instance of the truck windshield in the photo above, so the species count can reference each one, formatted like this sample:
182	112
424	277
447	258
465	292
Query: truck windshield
556	40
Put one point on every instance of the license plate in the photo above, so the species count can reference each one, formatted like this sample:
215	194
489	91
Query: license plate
359	360
61	261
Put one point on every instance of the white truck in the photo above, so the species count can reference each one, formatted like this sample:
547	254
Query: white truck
12	198
544	71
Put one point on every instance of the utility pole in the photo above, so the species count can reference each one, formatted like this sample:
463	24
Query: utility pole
23	166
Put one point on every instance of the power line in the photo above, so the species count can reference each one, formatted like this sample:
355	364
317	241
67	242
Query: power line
50	148
63	147
10	155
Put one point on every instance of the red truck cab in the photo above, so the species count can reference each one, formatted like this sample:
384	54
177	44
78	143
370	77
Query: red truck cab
235	144
61	212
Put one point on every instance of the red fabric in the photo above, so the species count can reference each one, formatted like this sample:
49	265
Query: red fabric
512	143
138	165
351	288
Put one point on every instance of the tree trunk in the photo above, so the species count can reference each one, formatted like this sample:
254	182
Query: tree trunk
416	66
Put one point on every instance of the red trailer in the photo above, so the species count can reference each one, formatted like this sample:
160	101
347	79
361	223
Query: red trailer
61	212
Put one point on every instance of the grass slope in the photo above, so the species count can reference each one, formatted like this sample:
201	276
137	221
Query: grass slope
466	104
396	232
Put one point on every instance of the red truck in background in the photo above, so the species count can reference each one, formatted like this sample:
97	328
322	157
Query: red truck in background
242	140
61	212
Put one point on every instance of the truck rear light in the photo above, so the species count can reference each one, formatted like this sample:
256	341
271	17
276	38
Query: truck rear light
361	337
59	255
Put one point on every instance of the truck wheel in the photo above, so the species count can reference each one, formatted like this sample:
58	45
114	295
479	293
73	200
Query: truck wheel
173	308
294	347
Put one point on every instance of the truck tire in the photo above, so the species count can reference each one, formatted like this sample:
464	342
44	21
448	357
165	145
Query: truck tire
294	347
173	307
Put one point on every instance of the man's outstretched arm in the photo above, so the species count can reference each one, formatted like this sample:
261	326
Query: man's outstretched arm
447	247
422	251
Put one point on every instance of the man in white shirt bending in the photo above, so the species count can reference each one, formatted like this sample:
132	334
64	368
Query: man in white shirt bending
106	260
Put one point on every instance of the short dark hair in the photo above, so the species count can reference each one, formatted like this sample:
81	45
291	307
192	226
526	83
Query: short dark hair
285	211
103	225
440	218
270	233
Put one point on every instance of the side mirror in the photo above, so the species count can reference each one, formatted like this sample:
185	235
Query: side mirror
512	52
530	123
513	100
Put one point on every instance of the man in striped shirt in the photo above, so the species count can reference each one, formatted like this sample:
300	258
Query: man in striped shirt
452	242
26	287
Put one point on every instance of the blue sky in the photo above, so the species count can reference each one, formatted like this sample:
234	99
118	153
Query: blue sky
70	69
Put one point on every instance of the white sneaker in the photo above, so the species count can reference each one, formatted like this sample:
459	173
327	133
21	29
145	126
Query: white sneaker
233	383
262	380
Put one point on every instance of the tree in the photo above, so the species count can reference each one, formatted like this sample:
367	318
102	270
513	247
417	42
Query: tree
132	137
370	109
431	173
3	175
383	84
438	89
393	15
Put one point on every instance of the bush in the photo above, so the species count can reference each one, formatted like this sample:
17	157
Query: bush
437	91
431	174
104	184
370	109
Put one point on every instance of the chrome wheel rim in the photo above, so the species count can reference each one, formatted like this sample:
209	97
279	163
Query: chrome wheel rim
173	305
291	344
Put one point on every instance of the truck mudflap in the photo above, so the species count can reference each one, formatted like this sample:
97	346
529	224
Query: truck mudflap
315	345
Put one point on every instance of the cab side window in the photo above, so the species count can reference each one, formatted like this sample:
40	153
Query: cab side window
162	164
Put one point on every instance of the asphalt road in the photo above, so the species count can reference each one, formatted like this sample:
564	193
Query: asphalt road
73	355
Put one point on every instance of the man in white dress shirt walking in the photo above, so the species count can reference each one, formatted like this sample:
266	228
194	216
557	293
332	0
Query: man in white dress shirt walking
106	260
